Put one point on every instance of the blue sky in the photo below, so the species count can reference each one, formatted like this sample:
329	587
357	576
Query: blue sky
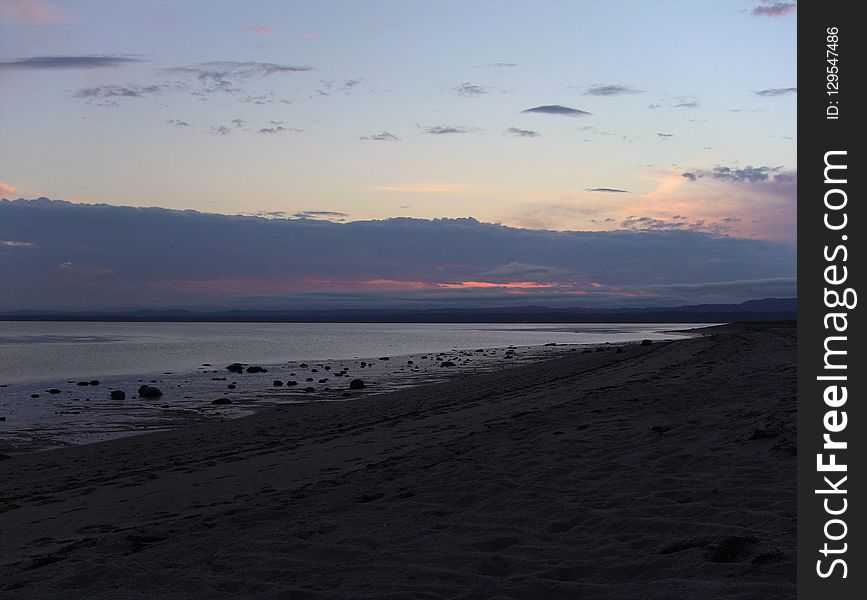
584	115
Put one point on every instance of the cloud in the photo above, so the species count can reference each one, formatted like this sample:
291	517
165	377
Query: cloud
228	76
748	173
15	244
188	259
383	136
260	29
177	123
610	90
6	189
665	136
773	8
327	215
113	92
219	130
277	128
676	223
556	109
34	63
469	89
608	190
687	103
524	133
772	92
31	12
445	129
310	36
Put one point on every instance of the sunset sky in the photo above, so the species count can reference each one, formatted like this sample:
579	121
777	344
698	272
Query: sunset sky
582	116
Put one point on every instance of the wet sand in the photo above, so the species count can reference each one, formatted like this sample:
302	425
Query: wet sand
662	471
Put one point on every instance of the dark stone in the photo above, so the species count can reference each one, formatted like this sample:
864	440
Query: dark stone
303	365
278	383
309	389
384	358
290	383
147	391
447	363
345	395
220	401
309	379
231	386
53	391
646	342
34	395
619	351
117	395
94	382
5	457
82	383
327	368
356	384
235	368
325	380
256	370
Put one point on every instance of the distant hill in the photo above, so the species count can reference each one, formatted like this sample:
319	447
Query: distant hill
766	309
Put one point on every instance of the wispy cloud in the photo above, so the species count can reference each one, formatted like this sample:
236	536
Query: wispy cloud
608	190
771	92
773	8
277	128
113	92
665	136
31	12
748	173
67	62
228	76
324	215
523	133
15	244
470	89
260	29
310	36
445	129
381	137
687	103
333	87
556	109
177	123
6	189
219	130
610	90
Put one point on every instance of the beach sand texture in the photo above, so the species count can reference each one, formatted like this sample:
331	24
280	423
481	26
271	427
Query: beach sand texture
663	471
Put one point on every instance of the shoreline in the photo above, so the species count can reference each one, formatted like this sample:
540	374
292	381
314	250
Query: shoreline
46	415
662	471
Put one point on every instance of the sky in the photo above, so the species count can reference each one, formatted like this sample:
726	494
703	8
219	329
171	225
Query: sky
547	116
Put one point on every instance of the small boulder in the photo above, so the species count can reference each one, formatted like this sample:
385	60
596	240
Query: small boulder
53	391
94	382
447	363
235	368
256	370
34	395
291	383
646	342
147	391
278	383
221	401
356	384
309	389
384	358
117	395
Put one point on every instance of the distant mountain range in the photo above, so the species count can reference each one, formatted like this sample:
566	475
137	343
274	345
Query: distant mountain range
767	309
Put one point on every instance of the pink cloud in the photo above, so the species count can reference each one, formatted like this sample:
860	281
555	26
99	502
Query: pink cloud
6	189
35	12
311	36
260	29
489	284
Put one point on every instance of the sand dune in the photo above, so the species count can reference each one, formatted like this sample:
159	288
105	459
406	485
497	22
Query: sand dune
665	471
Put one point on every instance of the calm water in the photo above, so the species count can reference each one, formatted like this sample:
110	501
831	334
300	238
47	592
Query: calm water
44	351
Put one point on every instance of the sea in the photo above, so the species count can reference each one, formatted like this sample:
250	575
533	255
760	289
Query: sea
187	361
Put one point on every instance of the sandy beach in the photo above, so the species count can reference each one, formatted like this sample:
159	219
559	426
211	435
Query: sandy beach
660	471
